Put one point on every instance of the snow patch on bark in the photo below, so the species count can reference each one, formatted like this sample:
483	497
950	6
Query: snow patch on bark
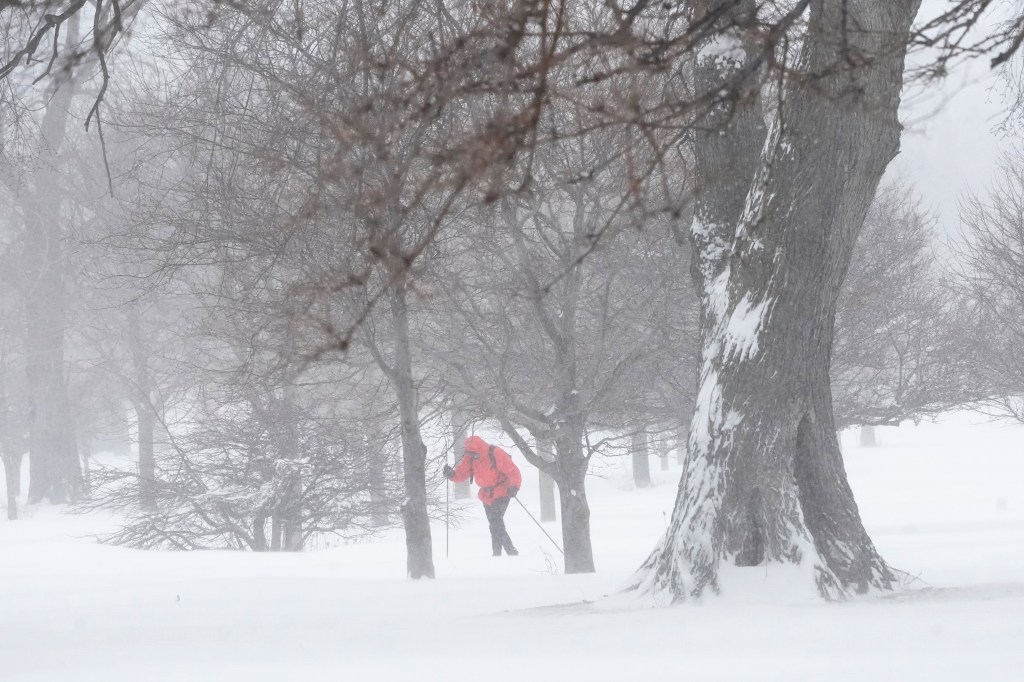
741	332
758	197
707	412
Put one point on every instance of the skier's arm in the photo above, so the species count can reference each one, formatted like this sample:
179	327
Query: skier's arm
463	469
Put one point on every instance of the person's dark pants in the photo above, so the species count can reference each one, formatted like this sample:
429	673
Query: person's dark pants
496	520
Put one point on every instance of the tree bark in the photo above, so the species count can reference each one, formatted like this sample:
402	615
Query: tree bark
765	481
641	460
420	561
546	485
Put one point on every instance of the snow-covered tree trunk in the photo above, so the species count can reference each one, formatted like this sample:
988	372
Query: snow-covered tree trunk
420	559
545	484
777	216
641	459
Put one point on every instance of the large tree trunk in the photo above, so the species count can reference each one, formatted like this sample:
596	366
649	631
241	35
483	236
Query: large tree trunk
545	484
867	436
420	560
641	456
53	465
765	481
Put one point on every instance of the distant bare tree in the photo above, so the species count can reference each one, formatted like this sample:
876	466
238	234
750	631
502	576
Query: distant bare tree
991	280
898	348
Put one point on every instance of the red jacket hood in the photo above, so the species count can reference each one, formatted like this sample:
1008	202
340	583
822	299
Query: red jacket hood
476	444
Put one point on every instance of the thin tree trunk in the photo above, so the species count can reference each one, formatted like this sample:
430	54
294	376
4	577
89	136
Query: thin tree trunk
641	460
546	485
420	560
275	533
378	493
681	445
663	449
460	431
572	495
11	475
765	482
143	404
84	454
867	436
259	533
291	529
12	463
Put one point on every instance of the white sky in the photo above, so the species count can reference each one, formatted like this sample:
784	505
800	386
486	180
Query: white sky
950	145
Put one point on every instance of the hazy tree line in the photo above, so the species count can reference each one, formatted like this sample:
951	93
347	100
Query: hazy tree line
308	238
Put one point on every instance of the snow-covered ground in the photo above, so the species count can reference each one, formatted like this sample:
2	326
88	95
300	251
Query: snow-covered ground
944	502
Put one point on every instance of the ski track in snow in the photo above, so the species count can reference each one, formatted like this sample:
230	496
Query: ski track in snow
943	502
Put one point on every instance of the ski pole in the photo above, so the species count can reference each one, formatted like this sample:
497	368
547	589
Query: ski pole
538	525
447	486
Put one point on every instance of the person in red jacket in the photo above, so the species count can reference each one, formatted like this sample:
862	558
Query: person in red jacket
499	479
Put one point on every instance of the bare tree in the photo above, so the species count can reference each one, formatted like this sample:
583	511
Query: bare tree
898	348
991	282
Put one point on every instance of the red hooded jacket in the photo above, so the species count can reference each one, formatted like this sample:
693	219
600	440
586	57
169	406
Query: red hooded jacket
491	468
